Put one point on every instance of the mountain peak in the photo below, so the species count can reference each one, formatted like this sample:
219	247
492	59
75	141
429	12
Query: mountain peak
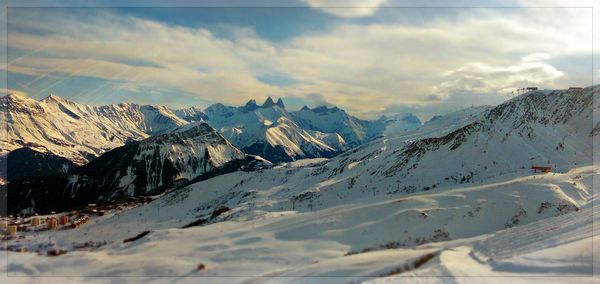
54	98
250	105
411	118
268	102
305	108
17	96
280	103
51	96
324	108
406	117
18	99
200	129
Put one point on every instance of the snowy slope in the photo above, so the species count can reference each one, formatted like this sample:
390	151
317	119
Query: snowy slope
553	250
553	129
332	139
75	131
269	131
189	153
452	203
440	125
356	241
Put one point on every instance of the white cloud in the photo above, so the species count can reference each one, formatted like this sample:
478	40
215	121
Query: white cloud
363	68
137	50
5	91
366	67
536	57
347	8
483	78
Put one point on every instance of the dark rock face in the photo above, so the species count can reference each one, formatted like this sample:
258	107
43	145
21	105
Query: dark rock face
280	103
28	163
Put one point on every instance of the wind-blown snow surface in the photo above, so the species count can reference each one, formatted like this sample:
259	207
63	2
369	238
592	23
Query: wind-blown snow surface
75	131
462	202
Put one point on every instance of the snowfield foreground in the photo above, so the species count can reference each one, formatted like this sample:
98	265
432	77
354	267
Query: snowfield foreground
468	231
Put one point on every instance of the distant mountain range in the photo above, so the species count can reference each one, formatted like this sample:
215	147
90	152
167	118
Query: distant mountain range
460	175
75	131
81	132
538	128
63	154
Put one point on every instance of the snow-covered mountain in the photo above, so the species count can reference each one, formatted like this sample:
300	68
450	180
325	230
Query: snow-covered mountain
444	200
354	131
81	132
399	124
453	198
150	166
270	131
550	128
543	128
462	175
436	183
191	114
333	120
444	124
75	131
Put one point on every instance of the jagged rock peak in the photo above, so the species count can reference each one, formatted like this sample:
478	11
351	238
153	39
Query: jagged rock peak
54	98
268	102
50	97
280	103
250	105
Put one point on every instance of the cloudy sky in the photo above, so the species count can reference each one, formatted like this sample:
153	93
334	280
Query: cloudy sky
369	57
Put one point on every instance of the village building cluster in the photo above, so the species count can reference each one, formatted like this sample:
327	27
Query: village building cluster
10	226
